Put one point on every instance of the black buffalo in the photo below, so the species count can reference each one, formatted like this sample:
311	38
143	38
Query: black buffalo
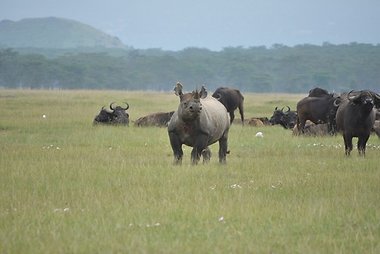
318	92
160	119
356	117
318	108
116	115
286	119
199	121
231	99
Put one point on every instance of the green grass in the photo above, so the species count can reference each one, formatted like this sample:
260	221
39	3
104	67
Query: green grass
69	187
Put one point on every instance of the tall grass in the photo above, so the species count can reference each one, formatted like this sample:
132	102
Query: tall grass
70	187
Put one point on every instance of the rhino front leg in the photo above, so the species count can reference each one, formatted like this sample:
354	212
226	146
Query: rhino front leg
176	147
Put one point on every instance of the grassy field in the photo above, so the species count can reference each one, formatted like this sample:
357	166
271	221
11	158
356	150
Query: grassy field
69	187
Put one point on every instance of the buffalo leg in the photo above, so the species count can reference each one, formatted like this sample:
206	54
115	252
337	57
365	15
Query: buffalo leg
241	111
301	125
223	147
176	147
347	143
362	144
232	116
199	147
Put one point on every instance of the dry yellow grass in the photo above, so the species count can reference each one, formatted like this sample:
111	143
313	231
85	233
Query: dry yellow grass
69	187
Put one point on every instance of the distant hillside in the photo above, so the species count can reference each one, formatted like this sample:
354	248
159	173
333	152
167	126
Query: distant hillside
54	33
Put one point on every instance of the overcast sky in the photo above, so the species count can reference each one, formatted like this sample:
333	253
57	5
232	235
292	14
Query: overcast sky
214	24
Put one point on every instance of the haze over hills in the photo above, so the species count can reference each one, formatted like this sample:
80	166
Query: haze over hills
53	33
65	54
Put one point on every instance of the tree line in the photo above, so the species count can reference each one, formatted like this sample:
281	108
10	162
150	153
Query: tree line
256	69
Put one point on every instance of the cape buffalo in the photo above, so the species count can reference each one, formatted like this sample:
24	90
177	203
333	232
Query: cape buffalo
318	109
117	115
286	119
312	129
318	92
255	122
231	99
159	119
199	121
356	117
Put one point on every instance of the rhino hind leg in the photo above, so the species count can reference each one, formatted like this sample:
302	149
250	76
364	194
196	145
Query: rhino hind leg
223	148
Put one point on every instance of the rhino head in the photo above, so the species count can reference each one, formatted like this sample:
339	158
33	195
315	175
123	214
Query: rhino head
190	106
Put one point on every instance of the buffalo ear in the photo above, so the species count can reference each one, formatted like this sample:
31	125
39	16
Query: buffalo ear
203	92
178	89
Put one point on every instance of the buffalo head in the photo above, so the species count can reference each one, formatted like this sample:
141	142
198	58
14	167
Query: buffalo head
104	116
116	115
286	119
120	114
366	98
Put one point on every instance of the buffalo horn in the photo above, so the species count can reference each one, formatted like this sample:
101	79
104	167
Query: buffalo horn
336	102
218	96
351	98
127	107
288	109
111	107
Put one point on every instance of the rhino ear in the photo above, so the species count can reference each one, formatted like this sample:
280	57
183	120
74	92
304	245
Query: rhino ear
203	92
178	89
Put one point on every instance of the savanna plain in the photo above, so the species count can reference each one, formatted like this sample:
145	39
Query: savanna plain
70	187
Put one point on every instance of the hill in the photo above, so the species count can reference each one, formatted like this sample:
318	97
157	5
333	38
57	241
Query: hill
54	33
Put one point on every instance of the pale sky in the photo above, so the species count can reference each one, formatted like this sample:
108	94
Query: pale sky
214	24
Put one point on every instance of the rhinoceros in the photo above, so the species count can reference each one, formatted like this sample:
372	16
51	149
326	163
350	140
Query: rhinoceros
199	121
